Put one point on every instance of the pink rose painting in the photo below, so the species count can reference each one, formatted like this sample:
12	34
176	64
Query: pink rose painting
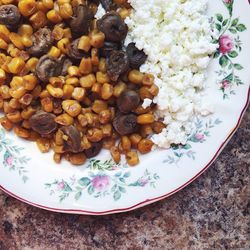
226	44
101	182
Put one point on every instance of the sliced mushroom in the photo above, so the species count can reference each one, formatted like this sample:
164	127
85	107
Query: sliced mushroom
10	16
43	122
136	57
128	100
81	20
42	41
125	124
72	142
112	25
74	53
47	67
94	150
117	64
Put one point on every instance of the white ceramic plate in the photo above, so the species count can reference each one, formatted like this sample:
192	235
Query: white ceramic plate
101	187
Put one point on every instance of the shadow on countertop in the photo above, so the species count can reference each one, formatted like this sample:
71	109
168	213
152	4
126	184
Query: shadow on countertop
211	213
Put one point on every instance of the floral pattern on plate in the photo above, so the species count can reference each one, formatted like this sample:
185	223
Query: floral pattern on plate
11	156
229	48
99	183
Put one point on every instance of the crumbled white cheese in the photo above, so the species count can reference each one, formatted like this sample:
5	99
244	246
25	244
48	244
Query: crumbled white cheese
176	36
100	12
146	103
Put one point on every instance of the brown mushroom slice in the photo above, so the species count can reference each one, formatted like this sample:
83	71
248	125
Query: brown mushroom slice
43	122
10	16
94	150
72	139
125	124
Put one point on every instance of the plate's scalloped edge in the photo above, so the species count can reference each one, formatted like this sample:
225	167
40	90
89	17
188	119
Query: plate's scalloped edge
148	201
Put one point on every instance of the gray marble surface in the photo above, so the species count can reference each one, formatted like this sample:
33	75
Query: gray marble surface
211	213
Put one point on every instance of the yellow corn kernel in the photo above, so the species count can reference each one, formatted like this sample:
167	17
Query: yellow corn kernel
31	64
135	76
49	4
40	6
145	146
65	10
16	65
17	92
73	70
85	66
99	106
47	104
43	144
64	119
2	76
6	124
53	16
67	33
44	93
16	40
38	20
79	94
107	91
7	1
67	91
16	82
3	44
57	33
60	2
88	81
148	79
56	82
54	52
102	77
72	107
26	40
132	158
4	33
63	44
72	81
116	155
97	39
27	7
124	12
14	103
145	119
25	30
84	43
77	159
55	92
22	132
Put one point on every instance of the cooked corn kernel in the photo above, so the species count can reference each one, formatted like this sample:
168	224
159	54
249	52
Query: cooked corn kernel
43	144
54	16
3	44
16	40
85	66
65	10
106	91
64	119
21	132
72	107
88	81
115	153
57	33
27	7
135	76
38	20
102	77
54	52
73	71
132	158
99	106
55	92
48	4
145	119
84	43
67	91
77	159
63	44
79	94
47	104
29	82
145	146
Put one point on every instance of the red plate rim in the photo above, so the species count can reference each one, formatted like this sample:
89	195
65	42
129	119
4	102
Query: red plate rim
145	202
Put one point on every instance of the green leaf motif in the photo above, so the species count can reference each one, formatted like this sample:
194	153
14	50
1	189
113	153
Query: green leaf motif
85	181
218	26
233	54
235	22
223	61
219	17
91	189
241	27
238	66
117	195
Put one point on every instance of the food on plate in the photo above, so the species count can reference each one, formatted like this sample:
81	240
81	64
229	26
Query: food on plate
68	83
123	75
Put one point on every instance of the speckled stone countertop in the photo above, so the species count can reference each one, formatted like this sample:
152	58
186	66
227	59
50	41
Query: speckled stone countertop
211	213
